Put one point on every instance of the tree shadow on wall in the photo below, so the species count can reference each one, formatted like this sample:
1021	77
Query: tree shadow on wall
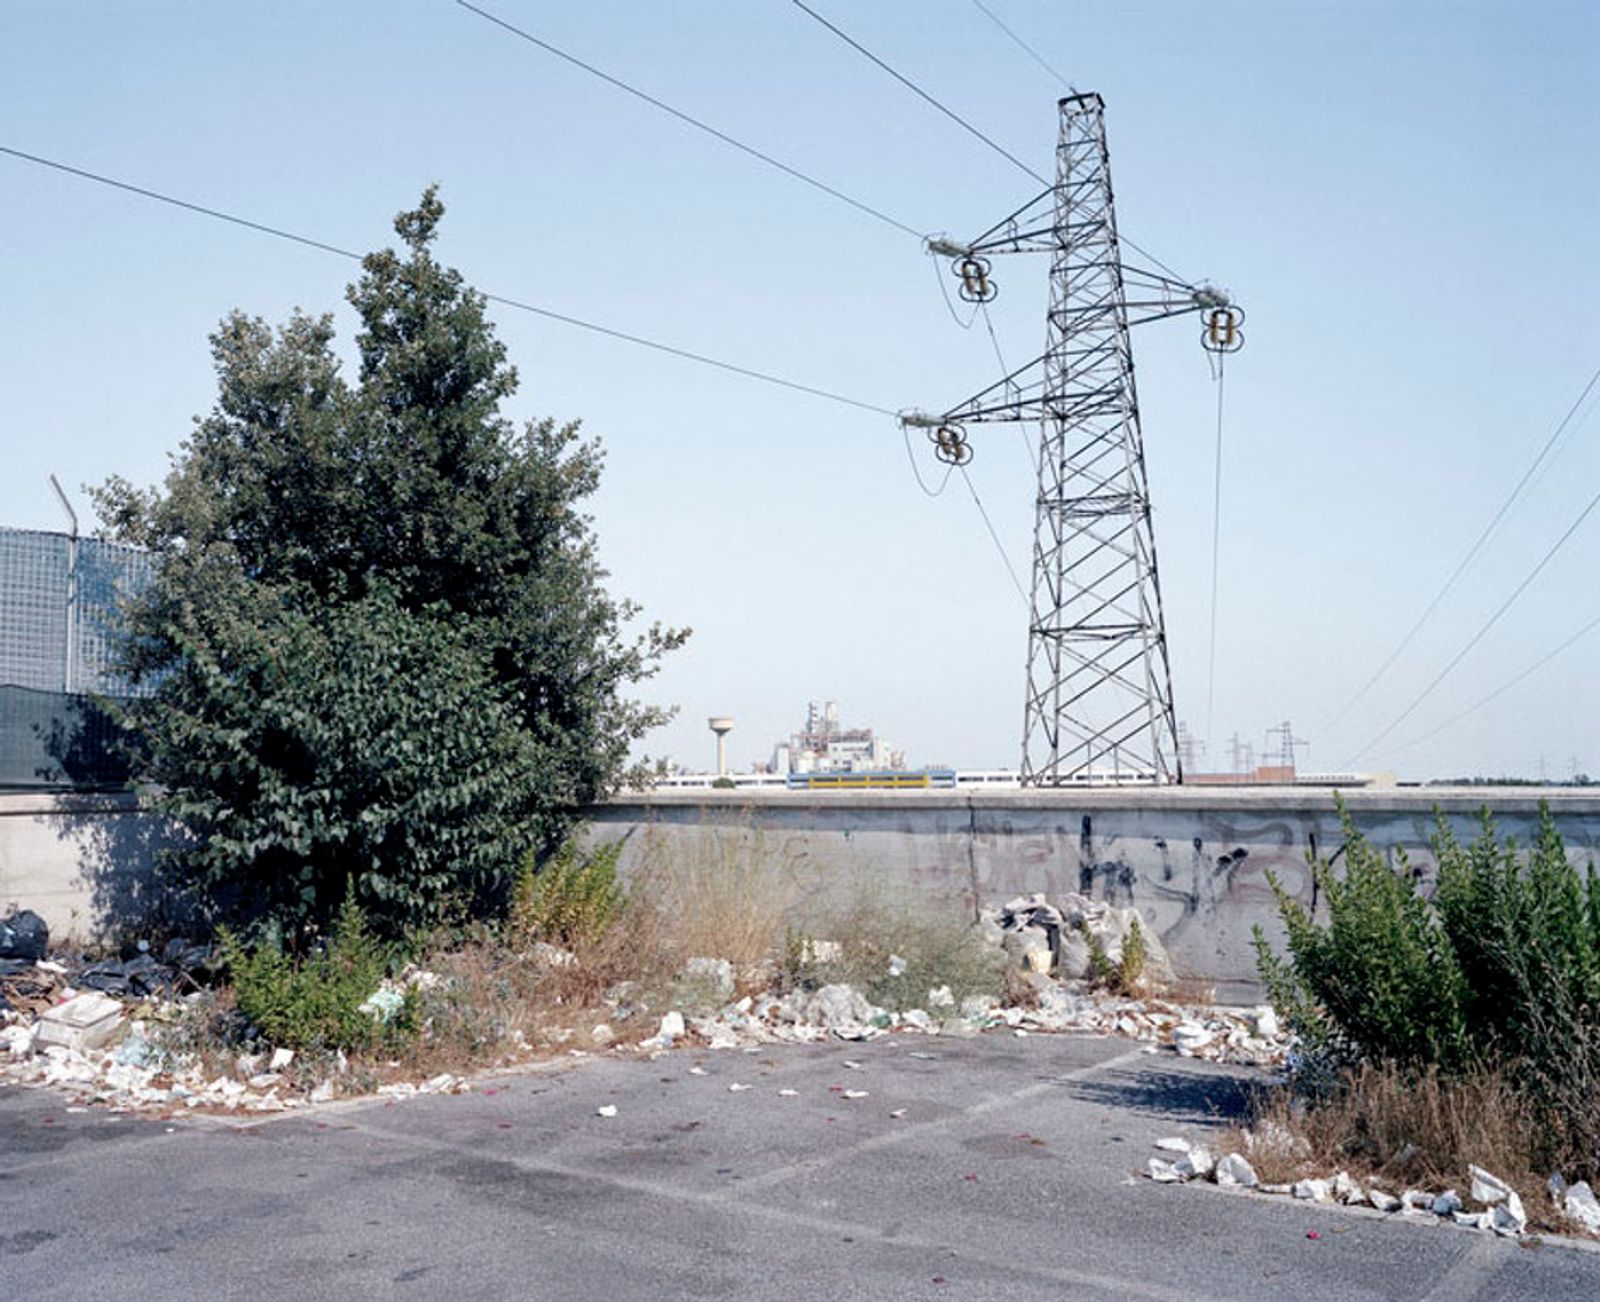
116	842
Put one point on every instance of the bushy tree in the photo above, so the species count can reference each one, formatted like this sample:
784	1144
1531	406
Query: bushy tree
383	658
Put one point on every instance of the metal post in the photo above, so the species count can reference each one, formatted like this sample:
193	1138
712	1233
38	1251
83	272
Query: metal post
72	585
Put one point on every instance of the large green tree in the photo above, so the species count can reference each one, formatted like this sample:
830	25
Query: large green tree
381	652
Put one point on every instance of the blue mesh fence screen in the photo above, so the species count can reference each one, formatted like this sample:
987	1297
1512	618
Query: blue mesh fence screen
60	607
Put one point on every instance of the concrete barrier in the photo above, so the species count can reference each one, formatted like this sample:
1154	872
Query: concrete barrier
79	861
1194	861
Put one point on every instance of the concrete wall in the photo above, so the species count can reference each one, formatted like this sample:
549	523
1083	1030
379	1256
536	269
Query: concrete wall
78	861
1194	861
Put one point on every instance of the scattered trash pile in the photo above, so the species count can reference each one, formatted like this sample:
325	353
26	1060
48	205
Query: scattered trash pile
102	1030
1051	950
1500	1207
1244	1035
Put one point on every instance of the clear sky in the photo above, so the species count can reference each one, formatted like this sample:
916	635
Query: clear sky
1404	197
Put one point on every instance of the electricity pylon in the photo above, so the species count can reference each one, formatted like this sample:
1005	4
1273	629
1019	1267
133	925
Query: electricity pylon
1099	686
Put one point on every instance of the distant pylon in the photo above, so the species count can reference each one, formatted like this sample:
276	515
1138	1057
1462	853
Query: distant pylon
1099	686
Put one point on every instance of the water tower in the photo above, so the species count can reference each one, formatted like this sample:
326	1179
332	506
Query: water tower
722	725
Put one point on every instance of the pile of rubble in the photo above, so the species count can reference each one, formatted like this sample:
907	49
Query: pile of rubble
1240	1035
98	1030
1500	1207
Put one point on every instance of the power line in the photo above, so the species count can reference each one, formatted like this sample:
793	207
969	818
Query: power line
1026	48
694	122
1461	567
917	90
179	203
1216	552
1504	687
905	434
594	327
962	123
999	546
1478	636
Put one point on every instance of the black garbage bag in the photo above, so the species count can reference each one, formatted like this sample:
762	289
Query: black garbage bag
24	935
138	977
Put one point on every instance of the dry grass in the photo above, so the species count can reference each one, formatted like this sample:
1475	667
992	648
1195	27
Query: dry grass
1401	1130
934	947
1189	990
726	895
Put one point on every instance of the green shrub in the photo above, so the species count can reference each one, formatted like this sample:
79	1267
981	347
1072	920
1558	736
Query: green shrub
1135	954
1499	972
1381	979
572	899
316	1002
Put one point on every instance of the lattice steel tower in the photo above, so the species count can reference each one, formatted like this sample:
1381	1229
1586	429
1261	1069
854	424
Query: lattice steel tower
1099	687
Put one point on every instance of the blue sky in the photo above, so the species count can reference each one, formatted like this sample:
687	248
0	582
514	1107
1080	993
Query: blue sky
1404	197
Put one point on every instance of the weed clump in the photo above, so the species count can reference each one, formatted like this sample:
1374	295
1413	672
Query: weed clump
895	954
324	1000
572	900
1487	994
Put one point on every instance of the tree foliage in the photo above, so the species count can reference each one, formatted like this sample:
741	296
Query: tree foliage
382	653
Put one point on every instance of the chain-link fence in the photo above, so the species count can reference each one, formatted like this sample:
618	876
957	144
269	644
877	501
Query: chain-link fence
60	600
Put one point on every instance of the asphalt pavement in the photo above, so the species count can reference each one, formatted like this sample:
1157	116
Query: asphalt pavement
995	1167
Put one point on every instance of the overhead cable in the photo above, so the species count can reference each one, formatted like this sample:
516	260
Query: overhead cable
593	327
1216	554
690	120
917	90
1478	636
1026	48
998	545
1472	555
961	122
1504	687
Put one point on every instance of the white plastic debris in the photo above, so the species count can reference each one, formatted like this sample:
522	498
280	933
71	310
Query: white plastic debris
1346	1190
606	1110
281	1059
383	1005
1162	1172
1264	1022
1234	1171
788	1094
1317	1191
1384	1202
1414	1202
1487	1189
1173	1144
853	1094
1508	1217
1581	1205
737	1087
897	965
941	997
82	1023
1196	1162
1446	1203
